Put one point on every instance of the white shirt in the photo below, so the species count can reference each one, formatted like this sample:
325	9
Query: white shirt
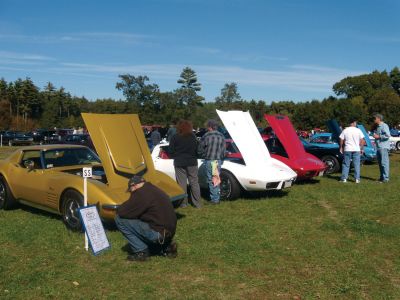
352	137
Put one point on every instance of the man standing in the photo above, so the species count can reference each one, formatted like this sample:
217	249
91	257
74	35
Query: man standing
171	132
212	149
155	137
147	220
382	136
351	145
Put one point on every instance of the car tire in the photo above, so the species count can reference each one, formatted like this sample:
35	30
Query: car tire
71	202
332	164
7	200
398	146
230	187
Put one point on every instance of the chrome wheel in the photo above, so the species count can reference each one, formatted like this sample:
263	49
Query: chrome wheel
225	188
72	201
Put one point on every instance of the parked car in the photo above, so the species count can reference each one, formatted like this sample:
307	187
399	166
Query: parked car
324	138
286	147
49	177
331	156
20	139
44	136
79	139
331	140
395	132
255	171
395	141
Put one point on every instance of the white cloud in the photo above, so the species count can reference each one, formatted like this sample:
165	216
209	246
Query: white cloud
24	56
296	77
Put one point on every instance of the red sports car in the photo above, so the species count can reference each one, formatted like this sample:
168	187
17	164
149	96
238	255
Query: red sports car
286	146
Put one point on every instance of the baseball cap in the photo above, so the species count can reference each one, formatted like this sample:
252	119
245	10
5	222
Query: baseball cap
136	179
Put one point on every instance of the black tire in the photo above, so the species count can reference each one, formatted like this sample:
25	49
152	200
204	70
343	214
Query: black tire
71	201
398	146
332	164
7	200
230	187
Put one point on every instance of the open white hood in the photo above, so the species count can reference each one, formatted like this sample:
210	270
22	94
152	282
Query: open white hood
246	136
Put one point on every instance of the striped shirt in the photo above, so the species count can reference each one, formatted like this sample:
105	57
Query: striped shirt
212	146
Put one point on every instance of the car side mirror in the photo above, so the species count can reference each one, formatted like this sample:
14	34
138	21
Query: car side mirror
29	164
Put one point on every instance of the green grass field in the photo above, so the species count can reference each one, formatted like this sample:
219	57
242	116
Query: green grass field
319	240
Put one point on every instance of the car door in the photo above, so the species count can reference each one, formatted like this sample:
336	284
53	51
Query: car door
29	184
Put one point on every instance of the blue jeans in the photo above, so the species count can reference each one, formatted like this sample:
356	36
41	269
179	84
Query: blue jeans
382	155
139	234
214	190
348	157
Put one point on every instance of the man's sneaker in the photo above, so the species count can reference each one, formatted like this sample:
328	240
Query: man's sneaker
139	256
357	180
383	181
171	250
343	180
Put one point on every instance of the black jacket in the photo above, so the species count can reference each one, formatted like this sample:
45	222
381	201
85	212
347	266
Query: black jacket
151	205
183	149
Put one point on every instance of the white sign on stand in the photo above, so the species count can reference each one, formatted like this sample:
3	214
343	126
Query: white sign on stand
86	173
94	229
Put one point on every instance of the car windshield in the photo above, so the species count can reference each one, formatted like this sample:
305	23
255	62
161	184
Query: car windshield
70	157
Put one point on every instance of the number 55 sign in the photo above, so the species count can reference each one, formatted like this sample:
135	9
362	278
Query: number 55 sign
87	172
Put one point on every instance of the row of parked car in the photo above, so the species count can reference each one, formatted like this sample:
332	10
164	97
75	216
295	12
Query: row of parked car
50	176
41	136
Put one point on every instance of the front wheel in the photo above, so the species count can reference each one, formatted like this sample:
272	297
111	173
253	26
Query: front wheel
71	202
230	187
398	146
7	200
332	164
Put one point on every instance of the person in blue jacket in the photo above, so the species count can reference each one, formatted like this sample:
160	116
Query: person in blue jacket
382	136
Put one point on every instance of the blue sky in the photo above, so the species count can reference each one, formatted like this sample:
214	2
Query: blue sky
274	50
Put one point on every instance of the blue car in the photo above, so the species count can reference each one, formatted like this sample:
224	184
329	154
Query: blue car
331	140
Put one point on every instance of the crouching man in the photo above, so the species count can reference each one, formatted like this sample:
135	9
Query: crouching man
147	220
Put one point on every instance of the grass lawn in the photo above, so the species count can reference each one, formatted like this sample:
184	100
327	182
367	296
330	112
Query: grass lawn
319	240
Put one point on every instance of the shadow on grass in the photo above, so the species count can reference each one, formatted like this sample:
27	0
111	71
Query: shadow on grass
310	181
38	211
337	177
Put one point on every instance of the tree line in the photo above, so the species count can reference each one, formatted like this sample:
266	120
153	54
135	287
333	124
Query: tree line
24	106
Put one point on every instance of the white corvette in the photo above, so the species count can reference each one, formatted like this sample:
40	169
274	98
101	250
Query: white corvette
257	171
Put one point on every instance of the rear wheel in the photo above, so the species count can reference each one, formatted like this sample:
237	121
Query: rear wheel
71	202
230	187
398	146
332	164
7	200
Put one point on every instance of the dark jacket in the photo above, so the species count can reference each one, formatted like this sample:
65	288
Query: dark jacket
212	146
151	205
183	149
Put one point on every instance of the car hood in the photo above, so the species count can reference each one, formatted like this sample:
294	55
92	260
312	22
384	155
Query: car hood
247	138
366	136
335	129
122	148
286	134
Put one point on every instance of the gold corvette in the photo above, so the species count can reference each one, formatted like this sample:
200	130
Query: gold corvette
49	177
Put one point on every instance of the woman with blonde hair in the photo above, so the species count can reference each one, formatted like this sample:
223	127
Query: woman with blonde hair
183	149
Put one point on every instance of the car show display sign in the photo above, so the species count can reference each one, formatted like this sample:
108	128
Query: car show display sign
94	229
